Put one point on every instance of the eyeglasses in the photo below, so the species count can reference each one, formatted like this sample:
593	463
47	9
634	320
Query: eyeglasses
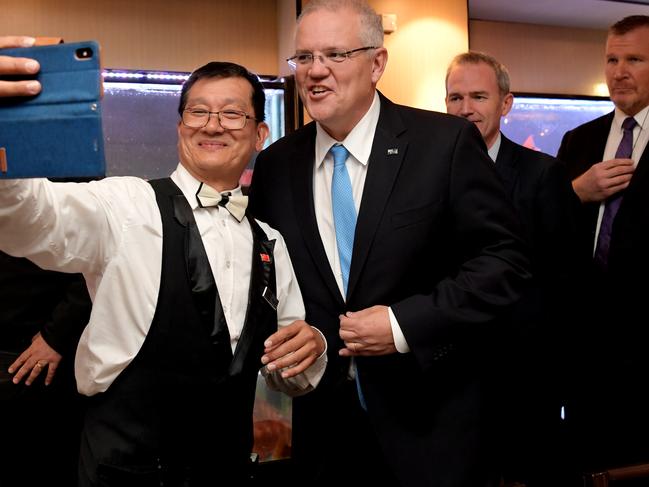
198	118
327	57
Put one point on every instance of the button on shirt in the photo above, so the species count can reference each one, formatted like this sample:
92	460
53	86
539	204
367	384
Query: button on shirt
111	232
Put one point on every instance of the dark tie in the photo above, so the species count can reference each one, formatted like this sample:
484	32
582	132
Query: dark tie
235	204
624	151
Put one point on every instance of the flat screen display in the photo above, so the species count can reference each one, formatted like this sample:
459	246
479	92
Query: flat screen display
540	121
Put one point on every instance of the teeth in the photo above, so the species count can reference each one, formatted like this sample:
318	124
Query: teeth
317	90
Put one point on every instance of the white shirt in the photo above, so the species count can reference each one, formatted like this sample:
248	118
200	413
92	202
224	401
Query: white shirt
359	144
111	232
640	138
493	150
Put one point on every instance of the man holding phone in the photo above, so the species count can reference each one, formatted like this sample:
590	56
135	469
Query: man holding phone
188	294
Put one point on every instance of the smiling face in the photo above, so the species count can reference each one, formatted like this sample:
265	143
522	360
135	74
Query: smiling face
472	93
212	154
627	70
336	95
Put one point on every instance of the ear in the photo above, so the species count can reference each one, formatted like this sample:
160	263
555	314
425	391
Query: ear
379	63
262	135
507	103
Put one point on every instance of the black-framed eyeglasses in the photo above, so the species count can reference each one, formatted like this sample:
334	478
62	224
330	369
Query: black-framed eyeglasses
198	118
327	57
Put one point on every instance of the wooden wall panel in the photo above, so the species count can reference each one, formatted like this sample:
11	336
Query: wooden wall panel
157	34
545	59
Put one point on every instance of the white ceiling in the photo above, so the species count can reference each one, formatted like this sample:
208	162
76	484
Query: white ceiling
596	14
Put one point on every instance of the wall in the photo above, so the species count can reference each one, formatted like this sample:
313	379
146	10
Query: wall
156	34
545	59
429	34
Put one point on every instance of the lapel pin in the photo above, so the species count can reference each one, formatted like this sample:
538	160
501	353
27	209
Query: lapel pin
393	151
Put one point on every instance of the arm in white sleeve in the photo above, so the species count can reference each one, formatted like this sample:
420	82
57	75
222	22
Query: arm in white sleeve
290	309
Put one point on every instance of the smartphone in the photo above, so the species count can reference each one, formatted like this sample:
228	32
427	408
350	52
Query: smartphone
57	133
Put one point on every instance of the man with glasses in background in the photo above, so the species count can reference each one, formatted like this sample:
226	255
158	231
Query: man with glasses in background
406	249
188	292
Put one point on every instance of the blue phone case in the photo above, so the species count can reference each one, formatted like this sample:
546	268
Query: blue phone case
58	132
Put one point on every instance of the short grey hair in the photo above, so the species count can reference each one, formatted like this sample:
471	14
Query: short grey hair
476	57
371	33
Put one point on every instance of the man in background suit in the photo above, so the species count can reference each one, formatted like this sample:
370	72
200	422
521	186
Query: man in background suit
435	258
609	409
42	315
478	89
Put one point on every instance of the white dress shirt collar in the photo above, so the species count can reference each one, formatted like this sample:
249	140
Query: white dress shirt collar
188	184
640	117
493	150
356	141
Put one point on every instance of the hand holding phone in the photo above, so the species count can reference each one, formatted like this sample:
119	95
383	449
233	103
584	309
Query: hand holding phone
56	133
10	65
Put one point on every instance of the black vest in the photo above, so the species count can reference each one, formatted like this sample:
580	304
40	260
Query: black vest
184	389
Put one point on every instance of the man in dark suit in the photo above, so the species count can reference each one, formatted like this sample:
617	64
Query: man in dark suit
42	315
609	166
435	258
478	89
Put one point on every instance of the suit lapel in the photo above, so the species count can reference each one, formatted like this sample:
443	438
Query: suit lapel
386	157
302	188
595	151
506	164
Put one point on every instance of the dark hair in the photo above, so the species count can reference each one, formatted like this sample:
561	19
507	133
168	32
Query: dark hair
627	24
217	69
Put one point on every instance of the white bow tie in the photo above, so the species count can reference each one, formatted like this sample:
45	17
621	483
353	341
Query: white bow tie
235	204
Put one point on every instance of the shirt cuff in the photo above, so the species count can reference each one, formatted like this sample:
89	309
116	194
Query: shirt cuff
302	383
397	335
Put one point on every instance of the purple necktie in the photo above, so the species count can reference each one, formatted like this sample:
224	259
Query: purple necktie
624	151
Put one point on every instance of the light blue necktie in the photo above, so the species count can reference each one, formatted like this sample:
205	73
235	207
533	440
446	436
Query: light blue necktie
344	210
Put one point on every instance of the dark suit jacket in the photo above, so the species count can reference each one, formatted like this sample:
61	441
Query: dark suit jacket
614	332
57	305
535	344
628	257
437	240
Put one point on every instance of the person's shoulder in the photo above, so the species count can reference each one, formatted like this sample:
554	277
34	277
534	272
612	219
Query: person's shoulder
425	124
271	232
530	154
421	115
290	141
114	189
530	159
602	122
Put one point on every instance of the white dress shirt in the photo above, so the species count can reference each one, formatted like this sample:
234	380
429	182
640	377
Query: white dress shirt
495	148
640	138
111	232
359	144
